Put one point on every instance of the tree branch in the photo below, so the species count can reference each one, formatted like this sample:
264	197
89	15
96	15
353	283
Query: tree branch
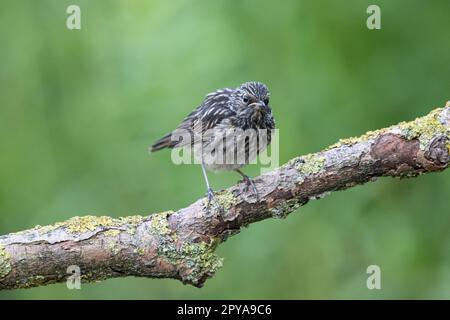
181	244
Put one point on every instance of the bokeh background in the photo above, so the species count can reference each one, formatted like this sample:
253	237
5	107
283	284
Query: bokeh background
78	110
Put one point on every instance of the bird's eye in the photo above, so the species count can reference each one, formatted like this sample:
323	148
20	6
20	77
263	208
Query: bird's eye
266	101
246	99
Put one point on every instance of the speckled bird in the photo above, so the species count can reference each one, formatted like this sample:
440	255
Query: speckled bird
225	112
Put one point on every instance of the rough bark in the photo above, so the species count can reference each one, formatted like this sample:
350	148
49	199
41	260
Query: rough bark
181	244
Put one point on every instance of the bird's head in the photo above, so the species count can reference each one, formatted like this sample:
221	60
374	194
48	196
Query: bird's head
255	95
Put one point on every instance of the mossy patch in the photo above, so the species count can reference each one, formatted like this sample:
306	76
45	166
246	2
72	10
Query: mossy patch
91	223
311	163
282	210
111	233
223	200
48	228
196	260
226	199
5	262
353	140
424	128
139	251
203	259
159	223
131	222
87	223
199	258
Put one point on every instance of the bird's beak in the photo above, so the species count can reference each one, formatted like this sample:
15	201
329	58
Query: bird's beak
258	106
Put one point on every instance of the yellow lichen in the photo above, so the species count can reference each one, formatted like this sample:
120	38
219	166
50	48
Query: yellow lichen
91	223
225	199
159	223
48	228
131	220
424	128
87	223
353	140
111	233
139	251
5	264
198	257
131	231
311	163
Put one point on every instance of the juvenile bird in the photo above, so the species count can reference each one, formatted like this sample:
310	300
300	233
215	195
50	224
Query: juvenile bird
227	131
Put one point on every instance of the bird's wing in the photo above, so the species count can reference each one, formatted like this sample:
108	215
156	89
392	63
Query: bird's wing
215	108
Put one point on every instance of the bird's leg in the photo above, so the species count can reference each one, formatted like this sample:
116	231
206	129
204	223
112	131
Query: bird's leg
249	183
210	192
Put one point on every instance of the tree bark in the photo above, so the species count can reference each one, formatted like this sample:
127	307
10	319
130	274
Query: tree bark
181	244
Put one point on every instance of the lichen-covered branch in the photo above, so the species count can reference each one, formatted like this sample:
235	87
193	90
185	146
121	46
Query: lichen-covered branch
180	245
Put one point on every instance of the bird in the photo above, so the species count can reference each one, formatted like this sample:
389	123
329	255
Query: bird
231	122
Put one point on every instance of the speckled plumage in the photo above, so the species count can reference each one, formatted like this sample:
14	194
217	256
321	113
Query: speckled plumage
225	112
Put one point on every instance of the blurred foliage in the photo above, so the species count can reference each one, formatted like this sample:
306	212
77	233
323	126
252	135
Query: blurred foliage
78	110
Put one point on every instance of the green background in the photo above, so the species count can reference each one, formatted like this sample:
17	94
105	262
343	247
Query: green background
78	110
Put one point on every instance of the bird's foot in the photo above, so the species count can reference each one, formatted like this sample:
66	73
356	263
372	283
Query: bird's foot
210	195
212	203
250	185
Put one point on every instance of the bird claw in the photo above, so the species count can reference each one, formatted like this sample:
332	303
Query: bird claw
210	195
250	184
212	200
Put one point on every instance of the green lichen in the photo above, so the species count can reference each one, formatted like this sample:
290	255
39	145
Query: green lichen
139	251
91	223
353	140
283	209
424	128
5	262
111	233
131	222
48	228
310	164
199	258
203	259
87	223
159	223
225	199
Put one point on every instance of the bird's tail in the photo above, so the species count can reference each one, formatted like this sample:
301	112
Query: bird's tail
164	142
